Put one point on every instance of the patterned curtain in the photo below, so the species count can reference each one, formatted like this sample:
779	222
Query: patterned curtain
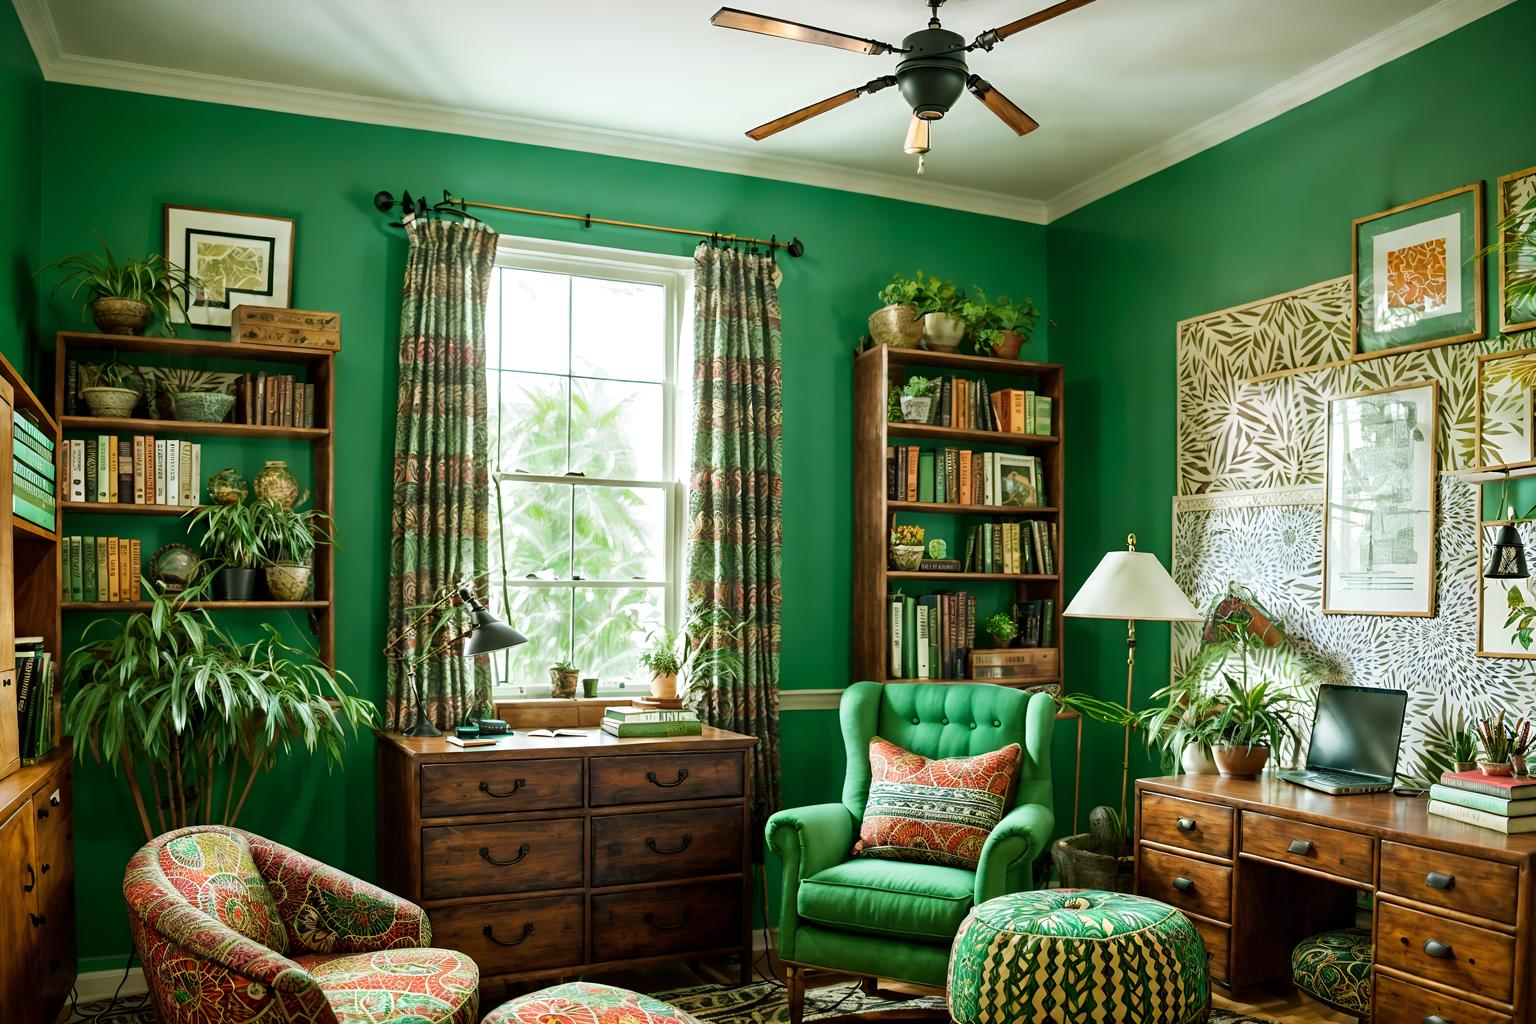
441	504
735	497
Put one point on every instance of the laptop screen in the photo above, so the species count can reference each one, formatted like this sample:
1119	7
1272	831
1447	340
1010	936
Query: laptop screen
1358	729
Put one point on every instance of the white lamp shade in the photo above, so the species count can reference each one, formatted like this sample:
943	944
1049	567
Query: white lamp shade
1132	585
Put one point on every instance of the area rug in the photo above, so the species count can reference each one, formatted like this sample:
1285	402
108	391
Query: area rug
762	1002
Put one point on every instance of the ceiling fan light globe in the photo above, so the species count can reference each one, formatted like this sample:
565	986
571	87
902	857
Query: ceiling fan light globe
918	138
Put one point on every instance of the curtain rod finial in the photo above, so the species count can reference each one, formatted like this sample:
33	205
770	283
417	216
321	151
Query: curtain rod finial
383	201
796	247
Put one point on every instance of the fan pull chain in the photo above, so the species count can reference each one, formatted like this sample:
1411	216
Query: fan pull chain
919	163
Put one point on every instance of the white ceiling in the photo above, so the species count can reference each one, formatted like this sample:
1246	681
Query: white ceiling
1121	88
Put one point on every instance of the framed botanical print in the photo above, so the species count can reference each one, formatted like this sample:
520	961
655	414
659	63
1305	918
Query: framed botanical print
1506	414
238	259
1379	514
1418	274
1516	251
1506	608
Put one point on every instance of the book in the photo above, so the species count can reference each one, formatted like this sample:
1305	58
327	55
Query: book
149	470
639	714
103	469
172	472
138	469
893	612
1483	802
475	741
160	472
114	569
136	569
925	476
1506	786
1482	819
91	454
88	568
627	730
920	646
184	453
76	569
552	733
76	470
196	490
124	466
1042	415
309	405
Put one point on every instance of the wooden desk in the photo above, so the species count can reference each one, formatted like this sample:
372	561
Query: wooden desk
1260	864
544	858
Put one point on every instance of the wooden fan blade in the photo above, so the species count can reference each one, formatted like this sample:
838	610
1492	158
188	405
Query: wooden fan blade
777	125
988	39
746	21
1002	106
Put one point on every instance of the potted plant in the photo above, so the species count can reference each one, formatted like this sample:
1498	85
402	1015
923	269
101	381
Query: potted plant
939	302
705	648
124	297
287	540
562	680
1001	628
1098	859
179	705
1249	723
1463	750
205	405
232	545
1519	746
897	322
907	547
1497	742
116	392
917	399
999	328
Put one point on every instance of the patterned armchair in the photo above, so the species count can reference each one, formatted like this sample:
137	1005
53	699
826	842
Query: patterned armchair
232	928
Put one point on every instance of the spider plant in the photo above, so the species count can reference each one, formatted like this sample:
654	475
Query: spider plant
1250	716
230	533
153	280
286	536
705	648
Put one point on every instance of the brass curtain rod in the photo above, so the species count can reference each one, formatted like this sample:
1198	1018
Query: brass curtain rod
385	202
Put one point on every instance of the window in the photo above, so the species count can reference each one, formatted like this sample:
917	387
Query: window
582	351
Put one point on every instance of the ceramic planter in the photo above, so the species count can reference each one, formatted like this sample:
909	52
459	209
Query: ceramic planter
1083	867
562	682
115	315
117	403
1495	768
916	410
1518	766
1240	761
202	406
943	331
1196	759
907	557
896	326
664	687
1466	766
234	584
288	581
1007	345
589	686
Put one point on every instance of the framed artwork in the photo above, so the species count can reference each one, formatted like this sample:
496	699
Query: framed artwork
1379	502
1418	278
1504	415
238	259
1506	609
1517	263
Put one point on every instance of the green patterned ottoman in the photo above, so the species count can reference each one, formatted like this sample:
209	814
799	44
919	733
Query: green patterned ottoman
1077	955
1335	968
583	1002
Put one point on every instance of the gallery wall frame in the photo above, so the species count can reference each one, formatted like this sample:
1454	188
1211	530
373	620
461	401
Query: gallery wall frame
1504	413
1496	638
1515	191
242	259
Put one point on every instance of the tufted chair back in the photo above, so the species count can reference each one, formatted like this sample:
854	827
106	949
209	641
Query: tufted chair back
947	720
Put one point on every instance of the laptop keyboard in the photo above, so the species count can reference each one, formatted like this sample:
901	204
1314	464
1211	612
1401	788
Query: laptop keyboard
1337	778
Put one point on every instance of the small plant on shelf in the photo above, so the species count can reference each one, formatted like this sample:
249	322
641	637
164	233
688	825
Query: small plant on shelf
116	391
1001	628
562	679
1463	750
125	296
999	328
706	648
232	547
907	547
917	399
287	539
1496	740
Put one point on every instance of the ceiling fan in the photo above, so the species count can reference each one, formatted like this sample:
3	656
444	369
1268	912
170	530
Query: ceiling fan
931	74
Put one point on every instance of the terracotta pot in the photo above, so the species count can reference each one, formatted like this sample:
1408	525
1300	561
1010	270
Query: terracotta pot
1466	766
943	331
1496	768
664	687
1518	766
1007	344
1083	867
114	315
1240	761
562	682
896	326
110	402
288	581
1196	759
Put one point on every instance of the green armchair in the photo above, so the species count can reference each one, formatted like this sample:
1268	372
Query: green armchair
891	919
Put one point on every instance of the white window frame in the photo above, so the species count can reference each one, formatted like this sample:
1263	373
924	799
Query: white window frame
675	274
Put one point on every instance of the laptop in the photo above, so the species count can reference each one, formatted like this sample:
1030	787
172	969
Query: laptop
1355	737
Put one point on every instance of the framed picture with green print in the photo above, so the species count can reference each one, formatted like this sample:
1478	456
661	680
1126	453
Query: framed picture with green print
1418	274
1515	249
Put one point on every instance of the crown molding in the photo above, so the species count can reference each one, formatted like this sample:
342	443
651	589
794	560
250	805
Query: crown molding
1368	55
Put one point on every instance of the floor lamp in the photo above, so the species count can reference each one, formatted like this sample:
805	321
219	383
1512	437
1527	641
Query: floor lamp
1131	585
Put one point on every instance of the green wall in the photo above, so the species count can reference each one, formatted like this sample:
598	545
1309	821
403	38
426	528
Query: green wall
1261	214
21	90
324	174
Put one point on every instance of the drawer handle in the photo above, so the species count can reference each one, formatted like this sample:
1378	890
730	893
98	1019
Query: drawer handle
31	880
1439	880
1438	950
490	932
651	920
682	776
53	799
485	787
1186	824
485	855
38	920
46	867
1183	884
42	812
650	842
1300	846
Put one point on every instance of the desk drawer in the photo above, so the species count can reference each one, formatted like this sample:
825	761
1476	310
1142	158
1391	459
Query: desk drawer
1187	824
520	856
664	777
1396	1001
1342	854
1217	940
513	935
1481	888
1197	886
492	787
669	845
669	920
1472	958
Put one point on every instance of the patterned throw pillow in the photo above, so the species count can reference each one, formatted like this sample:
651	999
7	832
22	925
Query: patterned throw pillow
934	812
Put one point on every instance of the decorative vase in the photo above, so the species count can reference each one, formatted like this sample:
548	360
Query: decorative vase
202	406
227	487
664	687
916	410
234	584
1007	345
943	331
172	567
1195	759
907	557
275	482
116	315
1495	768
562	682
1081	866
589	686
117	403
1240	760
1518	766
896	326
288	581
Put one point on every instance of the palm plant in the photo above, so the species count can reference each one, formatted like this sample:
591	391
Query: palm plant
178	705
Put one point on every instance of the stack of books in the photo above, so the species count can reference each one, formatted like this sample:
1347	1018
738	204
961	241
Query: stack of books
930	636
960	476
100	568
35	681
967	404
644	720
138	470
1502	803
1015	547
276	400
1022	412
32	473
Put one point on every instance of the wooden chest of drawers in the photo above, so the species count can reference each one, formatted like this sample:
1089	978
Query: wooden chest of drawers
542	858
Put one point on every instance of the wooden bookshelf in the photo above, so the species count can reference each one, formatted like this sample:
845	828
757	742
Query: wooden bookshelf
875	512
318	367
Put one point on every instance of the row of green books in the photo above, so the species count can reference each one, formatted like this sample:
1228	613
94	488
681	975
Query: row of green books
1503	803
646	721
36	678
100	568
137	470
33	493
1014	547
930	636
